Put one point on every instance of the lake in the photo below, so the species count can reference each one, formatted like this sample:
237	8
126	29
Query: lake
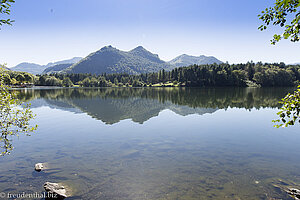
156	143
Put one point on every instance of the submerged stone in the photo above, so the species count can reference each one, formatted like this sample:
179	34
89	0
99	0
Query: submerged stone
56	190
39	167
295	193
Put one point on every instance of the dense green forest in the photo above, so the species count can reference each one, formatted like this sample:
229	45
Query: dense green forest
17	78
241	75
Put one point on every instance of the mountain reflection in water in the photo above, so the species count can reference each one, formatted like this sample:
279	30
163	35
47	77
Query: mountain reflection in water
232	153
111	105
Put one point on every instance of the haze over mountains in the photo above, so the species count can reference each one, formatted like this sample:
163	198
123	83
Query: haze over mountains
29	67
38	69
112	60
56	68
186	60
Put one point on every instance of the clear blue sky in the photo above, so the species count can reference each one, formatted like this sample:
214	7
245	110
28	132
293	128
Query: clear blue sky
51	30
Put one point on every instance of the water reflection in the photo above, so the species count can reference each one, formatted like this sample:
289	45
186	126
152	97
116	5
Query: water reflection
230	154
112	105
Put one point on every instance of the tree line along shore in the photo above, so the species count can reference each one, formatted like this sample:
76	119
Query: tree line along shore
240	75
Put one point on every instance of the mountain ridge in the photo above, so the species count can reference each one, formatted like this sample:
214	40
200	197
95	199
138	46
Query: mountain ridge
67	61
28	67
185	60
112	60
56	68
38	69
109	60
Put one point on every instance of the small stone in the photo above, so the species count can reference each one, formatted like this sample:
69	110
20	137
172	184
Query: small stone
56	190
39	167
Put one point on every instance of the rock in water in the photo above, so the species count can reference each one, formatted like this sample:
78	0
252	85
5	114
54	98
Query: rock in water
39	167
294	193
56	190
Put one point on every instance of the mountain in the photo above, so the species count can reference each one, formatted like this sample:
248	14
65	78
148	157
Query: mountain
112	60
186	60
29	67
142	52
56	68
69	61
38	69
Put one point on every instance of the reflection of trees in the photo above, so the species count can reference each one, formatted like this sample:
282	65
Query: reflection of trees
111	105
193	97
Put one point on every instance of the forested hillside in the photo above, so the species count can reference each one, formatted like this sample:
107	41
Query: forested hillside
111	60
242	75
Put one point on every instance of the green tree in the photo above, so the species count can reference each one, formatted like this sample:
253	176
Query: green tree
6	79
52	81
14	118
13	81
280	15
41	80
290	112
116	82
67	82
28	78
94	82
20	78
285	13
137	83
86	82
5	10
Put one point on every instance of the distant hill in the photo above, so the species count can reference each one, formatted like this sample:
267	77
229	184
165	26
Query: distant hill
38	69
29	67
112	60
56	68
69	61
186	60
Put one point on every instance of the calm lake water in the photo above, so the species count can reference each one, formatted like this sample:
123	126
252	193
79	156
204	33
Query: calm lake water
156	143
